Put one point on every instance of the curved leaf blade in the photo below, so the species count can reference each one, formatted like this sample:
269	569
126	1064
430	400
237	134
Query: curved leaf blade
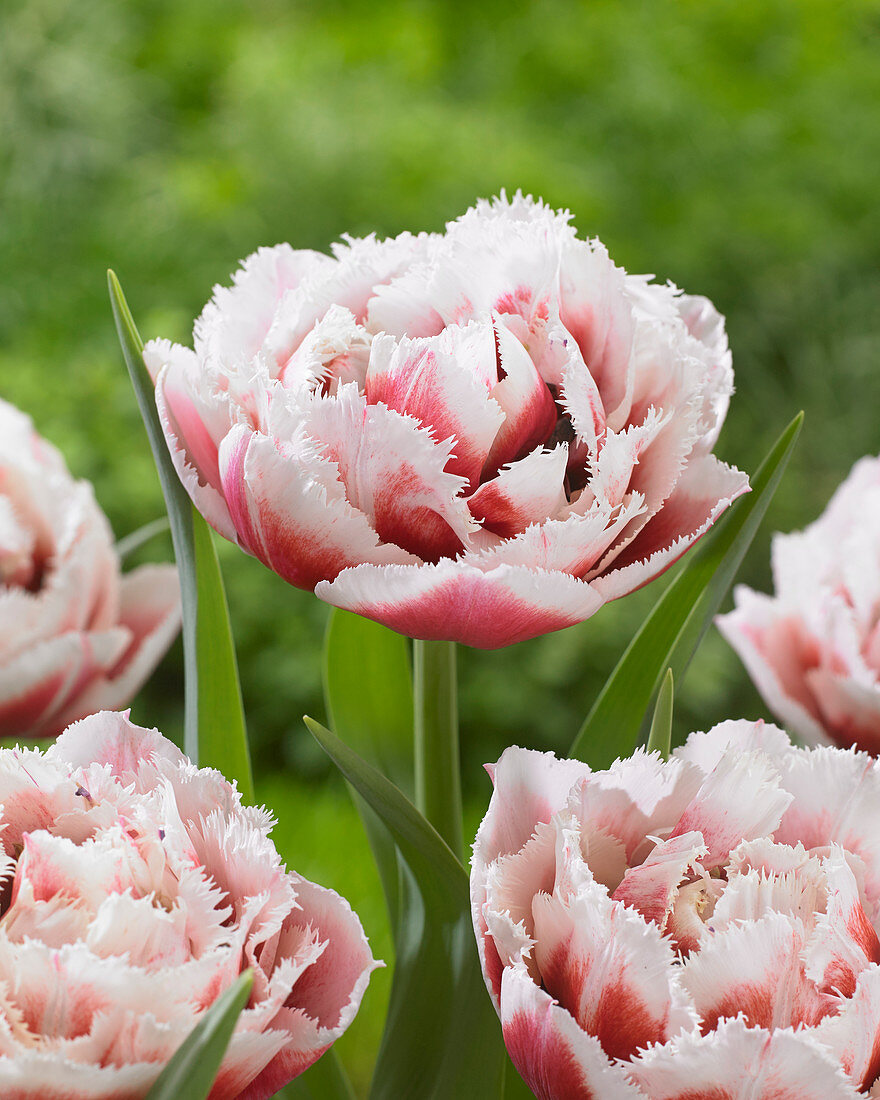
673	630
442	1037
193	1068
215	733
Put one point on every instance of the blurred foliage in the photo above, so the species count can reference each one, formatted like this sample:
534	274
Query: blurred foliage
731	147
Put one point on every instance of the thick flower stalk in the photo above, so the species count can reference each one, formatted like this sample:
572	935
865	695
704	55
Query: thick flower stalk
813	648
695	928
75	635
479	436
138	888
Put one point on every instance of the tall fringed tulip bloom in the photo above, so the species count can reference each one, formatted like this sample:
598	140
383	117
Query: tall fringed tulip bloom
137	888
75	635
813	649
701	928
478	436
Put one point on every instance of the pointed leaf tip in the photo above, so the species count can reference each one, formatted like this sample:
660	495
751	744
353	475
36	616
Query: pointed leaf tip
660	737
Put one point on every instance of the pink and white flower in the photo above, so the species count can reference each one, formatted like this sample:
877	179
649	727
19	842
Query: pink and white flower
137	888
480	436
813	648
75	635
695	928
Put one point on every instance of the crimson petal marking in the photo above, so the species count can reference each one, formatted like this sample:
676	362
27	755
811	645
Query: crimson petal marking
706	488
849	710
150	610
529	789
740	800
459	602
651	887
755	968
290	509
40	684
736	1062
207	498
844	942
572	545
776	649
529	491
598	313
444	382
854	1033
529	409
610	969
393	472
555	1058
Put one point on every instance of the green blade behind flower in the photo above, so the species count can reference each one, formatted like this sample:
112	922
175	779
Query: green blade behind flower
215	733
671	633
193	1068
442	1037
660	737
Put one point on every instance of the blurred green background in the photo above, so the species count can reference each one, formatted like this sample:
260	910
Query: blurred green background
732	147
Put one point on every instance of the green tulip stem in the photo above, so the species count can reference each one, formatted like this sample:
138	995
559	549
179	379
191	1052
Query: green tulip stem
437	766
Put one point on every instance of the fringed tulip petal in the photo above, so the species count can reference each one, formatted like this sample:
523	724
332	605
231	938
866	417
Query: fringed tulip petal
732	953
410	401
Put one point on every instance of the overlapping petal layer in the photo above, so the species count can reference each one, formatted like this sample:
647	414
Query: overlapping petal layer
482	435
701	927
138	888
813	648
75	635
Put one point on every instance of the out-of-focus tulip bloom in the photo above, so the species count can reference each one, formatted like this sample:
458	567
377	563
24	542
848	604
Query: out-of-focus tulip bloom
137	888
813	649
701	927
480	436
75	635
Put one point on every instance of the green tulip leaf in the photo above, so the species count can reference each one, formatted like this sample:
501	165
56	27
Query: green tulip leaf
442	1037
215	733
193	1068
660	737
670	635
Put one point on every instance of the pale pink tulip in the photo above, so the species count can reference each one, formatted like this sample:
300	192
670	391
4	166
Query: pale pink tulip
701	928
480	436
137	888
813	648
75	635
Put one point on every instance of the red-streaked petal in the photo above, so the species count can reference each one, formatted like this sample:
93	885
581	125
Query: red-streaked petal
290	509
457	601
736	1062
740	800
853	1035
776	649
206	497
529	491
38	686
755	968
706	488
556	1059
529	409
572	545
651	887
394	473
610	969
444	383
150	610
849	710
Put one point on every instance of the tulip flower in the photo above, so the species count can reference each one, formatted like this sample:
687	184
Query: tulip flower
684	929
138	887
75	635
476	436
813	648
